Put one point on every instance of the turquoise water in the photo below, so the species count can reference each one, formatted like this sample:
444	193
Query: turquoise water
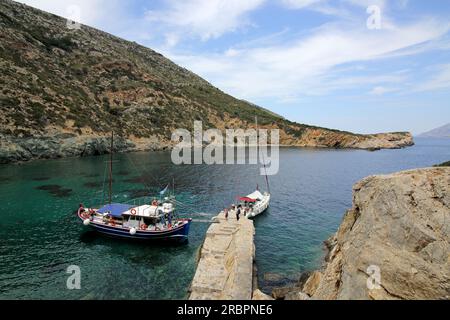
40	236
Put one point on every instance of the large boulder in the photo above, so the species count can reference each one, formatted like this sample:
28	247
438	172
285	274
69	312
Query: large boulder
394	242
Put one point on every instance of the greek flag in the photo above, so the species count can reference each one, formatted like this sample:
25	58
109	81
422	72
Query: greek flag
162	192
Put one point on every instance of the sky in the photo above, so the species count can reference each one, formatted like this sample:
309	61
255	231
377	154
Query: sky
365	66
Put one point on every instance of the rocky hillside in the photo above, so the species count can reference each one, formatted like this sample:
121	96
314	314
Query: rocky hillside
400	225
63	91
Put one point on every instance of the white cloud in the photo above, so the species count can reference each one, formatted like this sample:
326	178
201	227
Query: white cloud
367	3
96	13
439	81
205	18
309	65
300	4
322	6
276	66
379	91
172	39
340	7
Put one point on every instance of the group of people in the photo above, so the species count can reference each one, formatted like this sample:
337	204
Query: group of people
238	210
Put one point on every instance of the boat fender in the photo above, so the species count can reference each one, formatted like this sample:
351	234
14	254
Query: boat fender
86	222
133	231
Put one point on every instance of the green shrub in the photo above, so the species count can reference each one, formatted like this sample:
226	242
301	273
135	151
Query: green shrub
9	102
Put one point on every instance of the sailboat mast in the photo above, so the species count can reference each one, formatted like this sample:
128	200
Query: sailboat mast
262	154
111	167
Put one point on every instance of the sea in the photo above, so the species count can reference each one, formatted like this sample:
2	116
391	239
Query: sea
41	239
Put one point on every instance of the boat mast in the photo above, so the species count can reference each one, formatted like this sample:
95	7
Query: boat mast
262	154
111	167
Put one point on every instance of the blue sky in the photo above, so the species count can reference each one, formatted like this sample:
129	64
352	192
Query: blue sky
312	61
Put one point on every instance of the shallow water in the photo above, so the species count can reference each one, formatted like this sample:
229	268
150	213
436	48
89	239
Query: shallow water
40	236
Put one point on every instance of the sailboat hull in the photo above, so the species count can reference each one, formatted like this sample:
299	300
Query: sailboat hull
179	233
261	207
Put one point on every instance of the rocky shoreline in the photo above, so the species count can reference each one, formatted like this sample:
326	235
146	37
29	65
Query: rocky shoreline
394	242
65	145
20	149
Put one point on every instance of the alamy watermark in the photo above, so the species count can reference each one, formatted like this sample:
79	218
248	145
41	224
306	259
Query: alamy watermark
74	17
208	147
374	280
374	20
74	280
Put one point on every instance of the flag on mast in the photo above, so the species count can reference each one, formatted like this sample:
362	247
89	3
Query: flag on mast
162	192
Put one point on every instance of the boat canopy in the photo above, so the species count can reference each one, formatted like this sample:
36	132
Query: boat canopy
142	211
149	211
115	209
247	199
256	195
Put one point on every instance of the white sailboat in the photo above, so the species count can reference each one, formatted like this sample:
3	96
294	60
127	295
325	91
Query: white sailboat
255	203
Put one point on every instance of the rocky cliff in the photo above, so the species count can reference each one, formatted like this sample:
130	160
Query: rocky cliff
394	243
70	87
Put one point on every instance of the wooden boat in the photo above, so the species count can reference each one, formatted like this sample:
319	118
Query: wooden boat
145	222
148	221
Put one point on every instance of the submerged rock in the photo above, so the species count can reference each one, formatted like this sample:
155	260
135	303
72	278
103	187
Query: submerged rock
394	243
93	184
40	178
56	190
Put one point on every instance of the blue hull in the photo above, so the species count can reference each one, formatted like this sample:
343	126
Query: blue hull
176	234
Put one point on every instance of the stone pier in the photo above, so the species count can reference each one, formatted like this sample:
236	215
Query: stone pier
225	266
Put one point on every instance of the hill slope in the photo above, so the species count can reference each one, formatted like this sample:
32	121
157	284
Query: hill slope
441	132
64	90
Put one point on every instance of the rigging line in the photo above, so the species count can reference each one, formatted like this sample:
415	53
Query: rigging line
111	151
140	172
143	170
265	171
182	205
262	154
104	182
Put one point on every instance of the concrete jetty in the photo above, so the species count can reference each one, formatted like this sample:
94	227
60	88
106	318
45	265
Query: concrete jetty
225	266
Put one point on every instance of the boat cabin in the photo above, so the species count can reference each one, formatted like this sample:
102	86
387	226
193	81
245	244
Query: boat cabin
250	200
154	216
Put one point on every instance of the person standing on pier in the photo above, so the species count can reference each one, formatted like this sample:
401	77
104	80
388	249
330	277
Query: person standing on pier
238	212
